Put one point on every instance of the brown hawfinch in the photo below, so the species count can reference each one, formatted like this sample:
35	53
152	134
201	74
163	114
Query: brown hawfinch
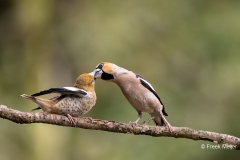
72	101
140	94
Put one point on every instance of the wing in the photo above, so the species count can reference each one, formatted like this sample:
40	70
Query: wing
63	90
151	89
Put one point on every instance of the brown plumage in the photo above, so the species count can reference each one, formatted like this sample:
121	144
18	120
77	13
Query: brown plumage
72	101
140	94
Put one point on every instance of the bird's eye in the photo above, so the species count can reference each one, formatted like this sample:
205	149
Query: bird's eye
99	66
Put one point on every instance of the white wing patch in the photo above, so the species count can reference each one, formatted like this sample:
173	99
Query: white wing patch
141	79
72	88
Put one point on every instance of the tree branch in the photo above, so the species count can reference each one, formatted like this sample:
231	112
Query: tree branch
117	127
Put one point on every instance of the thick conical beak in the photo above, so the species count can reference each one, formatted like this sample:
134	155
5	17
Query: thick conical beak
97	73
93	74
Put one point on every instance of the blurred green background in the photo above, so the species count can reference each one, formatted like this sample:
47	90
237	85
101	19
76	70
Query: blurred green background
188	50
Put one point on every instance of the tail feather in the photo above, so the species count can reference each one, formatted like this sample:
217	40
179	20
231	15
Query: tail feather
27	96
164	112
160	123
36	108
43	104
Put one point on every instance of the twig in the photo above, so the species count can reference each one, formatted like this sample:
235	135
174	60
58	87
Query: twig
118	127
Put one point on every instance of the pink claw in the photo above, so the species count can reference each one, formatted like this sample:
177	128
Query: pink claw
133	123
71	119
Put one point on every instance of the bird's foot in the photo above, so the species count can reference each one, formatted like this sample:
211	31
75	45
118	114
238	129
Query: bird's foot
89	118
133	124
71	119
148	121
136	122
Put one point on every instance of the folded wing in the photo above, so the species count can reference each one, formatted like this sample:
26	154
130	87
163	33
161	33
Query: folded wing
151	89
63	90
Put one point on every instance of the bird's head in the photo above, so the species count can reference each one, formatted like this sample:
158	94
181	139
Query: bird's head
86	81
108	71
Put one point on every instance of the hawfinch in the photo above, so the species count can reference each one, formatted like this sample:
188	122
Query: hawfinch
72	101
140	94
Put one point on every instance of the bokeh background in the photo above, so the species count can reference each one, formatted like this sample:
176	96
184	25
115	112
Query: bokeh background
188	50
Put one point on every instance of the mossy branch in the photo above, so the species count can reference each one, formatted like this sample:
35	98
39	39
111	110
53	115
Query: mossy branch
118	127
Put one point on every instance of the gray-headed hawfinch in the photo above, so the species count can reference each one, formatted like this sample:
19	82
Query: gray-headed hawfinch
140	94
72	101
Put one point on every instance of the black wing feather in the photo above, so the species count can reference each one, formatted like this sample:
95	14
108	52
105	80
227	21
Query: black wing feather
151	89
59	90
36	109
